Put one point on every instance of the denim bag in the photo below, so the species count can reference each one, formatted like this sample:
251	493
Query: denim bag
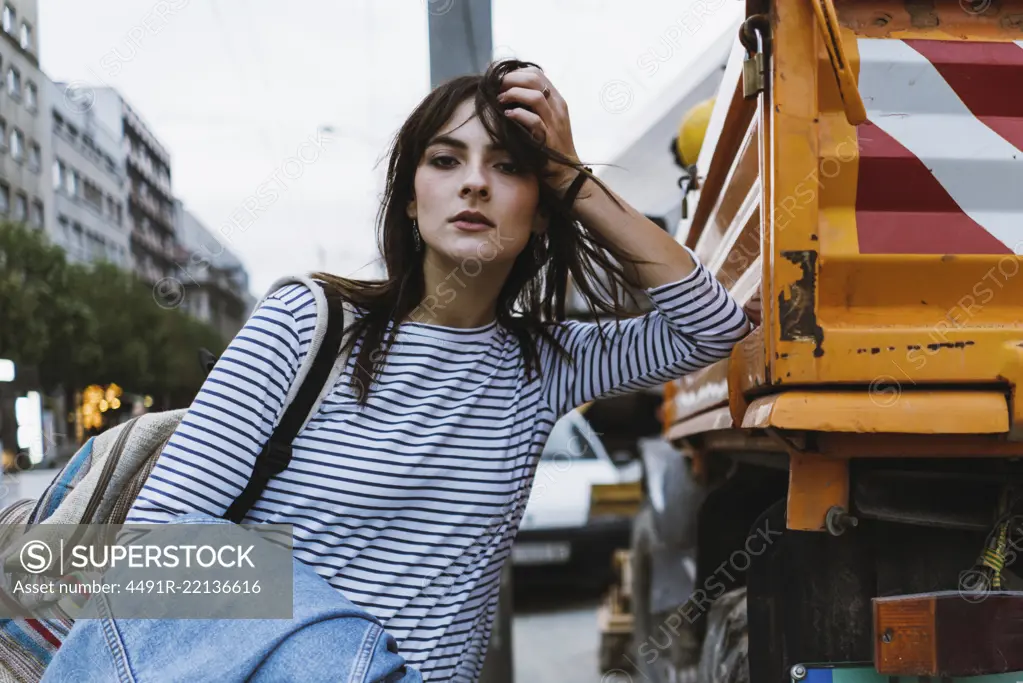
329	638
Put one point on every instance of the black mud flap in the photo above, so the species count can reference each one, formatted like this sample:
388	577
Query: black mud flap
809	599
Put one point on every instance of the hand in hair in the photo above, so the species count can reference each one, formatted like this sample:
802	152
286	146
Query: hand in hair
544	115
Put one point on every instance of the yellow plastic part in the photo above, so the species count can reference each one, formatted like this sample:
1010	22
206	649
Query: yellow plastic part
692	130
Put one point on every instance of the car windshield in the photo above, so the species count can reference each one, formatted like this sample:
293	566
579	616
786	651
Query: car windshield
569	441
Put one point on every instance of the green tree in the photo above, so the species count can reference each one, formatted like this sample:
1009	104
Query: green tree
43	323
94	324
186	336
146	347
128	321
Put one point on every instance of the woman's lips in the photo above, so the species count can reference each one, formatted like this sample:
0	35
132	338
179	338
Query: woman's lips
471	226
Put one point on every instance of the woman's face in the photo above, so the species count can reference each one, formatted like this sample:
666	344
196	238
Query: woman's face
471	200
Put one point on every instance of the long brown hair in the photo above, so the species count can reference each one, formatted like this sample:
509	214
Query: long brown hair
534	294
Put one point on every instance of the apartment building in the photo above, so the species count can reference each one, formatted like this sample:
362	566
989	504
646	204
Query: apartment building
155	251
89	181
24	128
216	284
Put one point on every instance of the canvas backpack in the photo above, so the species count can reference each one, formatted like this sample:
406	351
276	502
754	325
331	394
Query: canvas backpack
101	481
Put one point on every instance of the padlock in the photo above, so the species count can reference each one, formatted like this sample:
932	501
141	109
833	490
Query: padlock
753	77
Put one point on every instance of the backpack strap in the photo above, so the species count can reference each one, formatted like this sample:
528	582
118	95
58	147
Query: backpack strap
276	454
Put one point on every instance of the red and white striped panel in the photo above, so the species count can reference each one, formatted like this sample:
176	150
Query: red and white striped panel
941	156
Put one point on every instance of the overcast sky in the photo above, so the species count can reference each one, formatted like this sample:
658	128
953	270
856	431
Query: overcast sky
233	88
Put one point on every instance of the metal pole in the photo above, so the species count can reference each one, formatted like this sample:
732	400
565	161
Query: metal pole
461	40
461	43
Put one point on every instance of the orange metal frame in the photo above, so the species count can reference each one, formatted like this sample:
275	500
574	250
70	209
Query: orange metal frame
883	336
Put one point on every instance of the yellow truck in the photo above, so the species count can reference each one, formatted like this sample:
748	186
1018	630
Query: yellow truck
842	499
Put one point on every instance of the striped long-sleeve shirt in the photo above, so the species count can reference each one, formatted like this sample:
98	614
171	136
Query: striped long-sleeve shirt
409	505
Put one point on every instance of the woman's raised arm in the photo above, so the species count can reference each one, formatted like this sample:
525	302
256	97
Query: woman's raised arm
695	322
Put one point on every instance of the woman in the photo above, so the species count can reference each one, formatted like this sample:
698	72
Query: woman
407	488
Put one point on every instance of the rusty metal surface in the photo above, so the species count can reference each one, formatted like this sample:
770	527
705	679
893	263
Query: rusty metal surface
916	412
700	391
944	20
711	421
871	277
797	308
740	191
722	150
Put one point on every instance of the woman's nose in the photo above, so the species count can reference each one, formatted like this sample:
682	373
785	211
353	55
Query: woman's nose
475	182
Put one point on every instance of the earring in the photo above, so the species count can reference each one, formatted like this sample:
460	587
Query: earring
540	249
415	235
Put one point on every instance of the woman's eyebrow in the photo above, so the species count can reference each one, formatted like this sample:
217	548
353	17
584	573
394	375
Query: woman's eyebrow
460	144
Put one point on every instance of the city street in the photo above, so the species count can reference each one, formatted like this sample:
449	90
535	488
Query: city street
555	637
29	484
555	631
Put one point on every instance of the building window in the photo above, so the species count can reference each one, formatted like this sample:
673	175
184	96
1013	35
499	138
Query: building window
10	18
20	207
72	183
97	246
17	144
93	195
13	82
35	157
36	217
5	197
31	96
58	174
3	135
76	240
25	38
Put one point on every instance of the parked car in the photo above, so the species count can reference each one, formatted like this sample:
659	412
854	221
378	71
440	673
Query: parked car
580	508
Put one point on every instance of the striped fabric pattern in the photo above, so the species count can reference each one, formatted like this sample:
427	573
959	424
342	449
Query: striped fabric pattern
409	506
63	483
28	644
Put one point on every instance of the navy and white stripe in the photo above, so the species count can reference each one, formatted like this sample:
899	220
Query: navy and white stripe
409	505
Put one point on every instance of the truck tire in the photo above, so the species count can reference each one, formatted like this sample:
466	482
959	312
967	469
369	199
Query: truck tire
664	650
725	655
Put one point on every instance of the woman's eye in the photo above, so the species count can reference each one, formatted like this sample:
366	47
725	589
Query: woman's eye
443	161
509	167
